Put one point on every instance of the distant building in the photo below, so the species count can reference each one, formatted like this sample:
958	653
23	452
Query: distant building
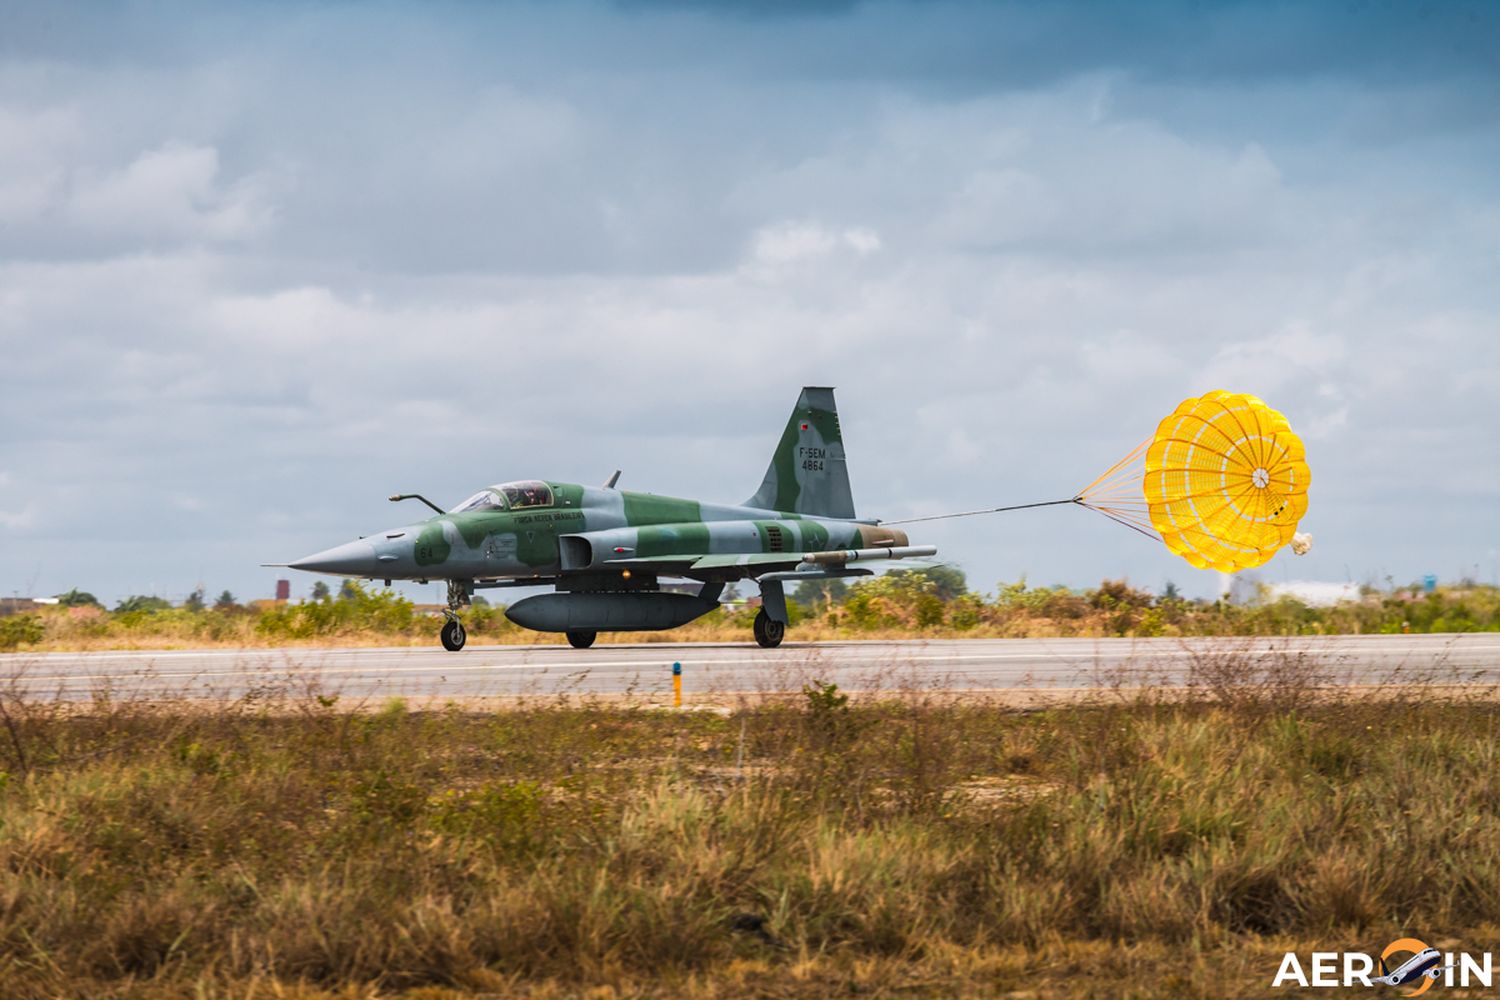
1314	593
1249	588
1240	588
283	590
22	605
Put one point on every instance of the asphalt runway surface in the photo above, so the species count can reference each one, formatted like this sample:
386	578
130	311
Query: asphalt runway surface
710	670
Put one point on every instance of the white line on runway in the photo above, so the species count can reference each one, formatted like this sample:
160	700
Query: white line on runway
1047	659
1470	642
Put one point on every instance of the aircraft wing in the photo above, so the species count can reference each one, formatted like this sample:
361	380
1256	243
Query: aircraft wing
757	563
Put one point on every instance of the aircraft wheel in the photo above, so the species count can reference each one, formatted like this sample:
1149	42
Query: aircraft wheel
453	635
582	638
767	632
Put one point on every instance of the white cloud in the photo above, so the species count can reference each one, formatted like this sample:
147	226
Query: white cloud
74	182
786	243
34	147
174	191
1272	361
18	520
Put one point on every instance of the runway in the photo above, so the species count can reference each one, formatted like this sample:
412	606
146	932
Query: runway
713	671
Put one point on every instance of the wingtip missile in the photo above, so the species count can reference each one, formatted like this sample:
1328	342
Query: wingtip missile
841	556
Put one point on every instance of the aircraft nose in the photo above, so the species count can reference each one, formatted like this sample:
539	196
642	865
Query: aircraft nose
349	559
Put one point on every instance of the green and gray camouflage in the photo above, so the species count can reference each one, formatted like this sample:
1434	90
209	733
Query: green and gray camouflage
605	540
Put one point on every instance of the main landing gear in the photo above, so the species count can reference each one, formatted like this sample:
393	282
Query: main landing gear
768	632
453	633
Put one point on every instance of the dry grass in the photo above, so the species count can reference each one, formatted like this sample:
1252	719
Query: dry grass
803	845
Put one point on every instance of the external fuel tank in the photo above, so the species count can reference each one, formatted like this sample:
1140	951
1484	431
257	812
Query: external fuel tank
605	612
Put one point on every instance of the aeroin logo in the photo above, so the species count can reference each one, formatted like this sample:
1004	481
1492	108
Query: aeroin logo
1406	962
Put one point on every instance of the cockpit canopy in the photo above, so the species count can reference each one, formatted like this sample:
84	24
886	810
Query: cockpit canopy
508	496
526	493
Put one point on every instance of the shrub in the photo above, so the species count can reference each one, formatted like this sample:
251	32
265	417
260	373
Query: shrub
355	611
21	630
76	598
143	604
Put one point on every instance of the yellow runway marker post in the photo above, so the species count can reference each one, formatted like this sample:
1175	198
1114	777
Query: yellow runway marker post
677	685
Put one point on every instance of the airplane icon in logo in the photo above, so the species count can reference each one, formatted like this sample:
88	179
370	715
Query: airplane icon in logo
1426	962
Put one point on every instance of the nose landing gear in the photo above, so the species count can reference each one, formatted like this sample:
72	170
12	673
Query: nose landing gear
453	634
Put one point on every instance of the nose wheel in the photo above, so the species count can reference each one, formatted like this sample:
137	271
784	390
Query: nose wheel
768	633
581	638
453	635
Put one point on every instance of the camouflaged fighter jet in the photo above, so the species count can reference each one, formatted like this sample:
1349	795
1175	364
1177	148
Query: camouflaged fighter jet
606	550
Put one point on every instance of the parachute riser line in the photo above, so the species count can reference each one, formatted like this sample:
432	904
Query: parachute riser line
1118	516
989	510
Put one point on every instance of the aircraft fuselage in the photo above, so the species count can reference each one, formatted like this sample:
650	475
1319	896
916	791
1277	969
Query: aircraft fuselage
587	529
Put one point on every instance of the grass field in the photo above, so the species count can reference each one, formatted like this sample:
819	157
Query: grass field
807	845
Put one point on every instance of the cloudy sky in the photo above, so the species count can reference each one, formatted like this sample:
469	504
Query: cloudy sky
262	264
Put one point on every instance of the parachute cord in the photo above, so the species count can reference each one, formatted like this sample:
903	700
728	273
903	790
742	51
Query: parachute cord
1122	472
987	510
1119	517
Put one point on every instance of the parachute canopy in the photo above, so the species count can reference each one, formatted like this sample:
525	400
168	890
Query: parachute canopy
1223	481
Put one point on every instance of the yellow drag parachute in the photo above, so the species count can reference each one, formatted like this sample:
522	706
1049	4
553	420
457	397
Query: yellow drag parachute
1223	482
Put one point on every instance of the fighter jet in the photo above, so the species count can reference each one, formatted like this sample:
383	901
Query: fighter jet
605	550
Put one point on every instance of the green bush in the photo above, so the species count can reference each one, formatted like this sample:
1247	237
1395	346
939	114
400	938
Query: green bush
76	598
21	630
355	611
907	602
141	603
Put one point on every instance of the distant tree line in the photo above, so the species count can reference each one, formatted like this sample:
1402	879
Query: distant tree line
933	601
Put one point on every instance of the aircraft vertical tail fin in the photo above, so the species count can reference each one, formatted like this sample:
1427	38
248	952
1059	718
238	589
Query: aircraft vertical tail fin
807	473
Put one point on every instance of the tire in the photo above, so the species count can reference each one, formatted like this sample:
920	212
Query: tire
582	638
453	635
768	633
